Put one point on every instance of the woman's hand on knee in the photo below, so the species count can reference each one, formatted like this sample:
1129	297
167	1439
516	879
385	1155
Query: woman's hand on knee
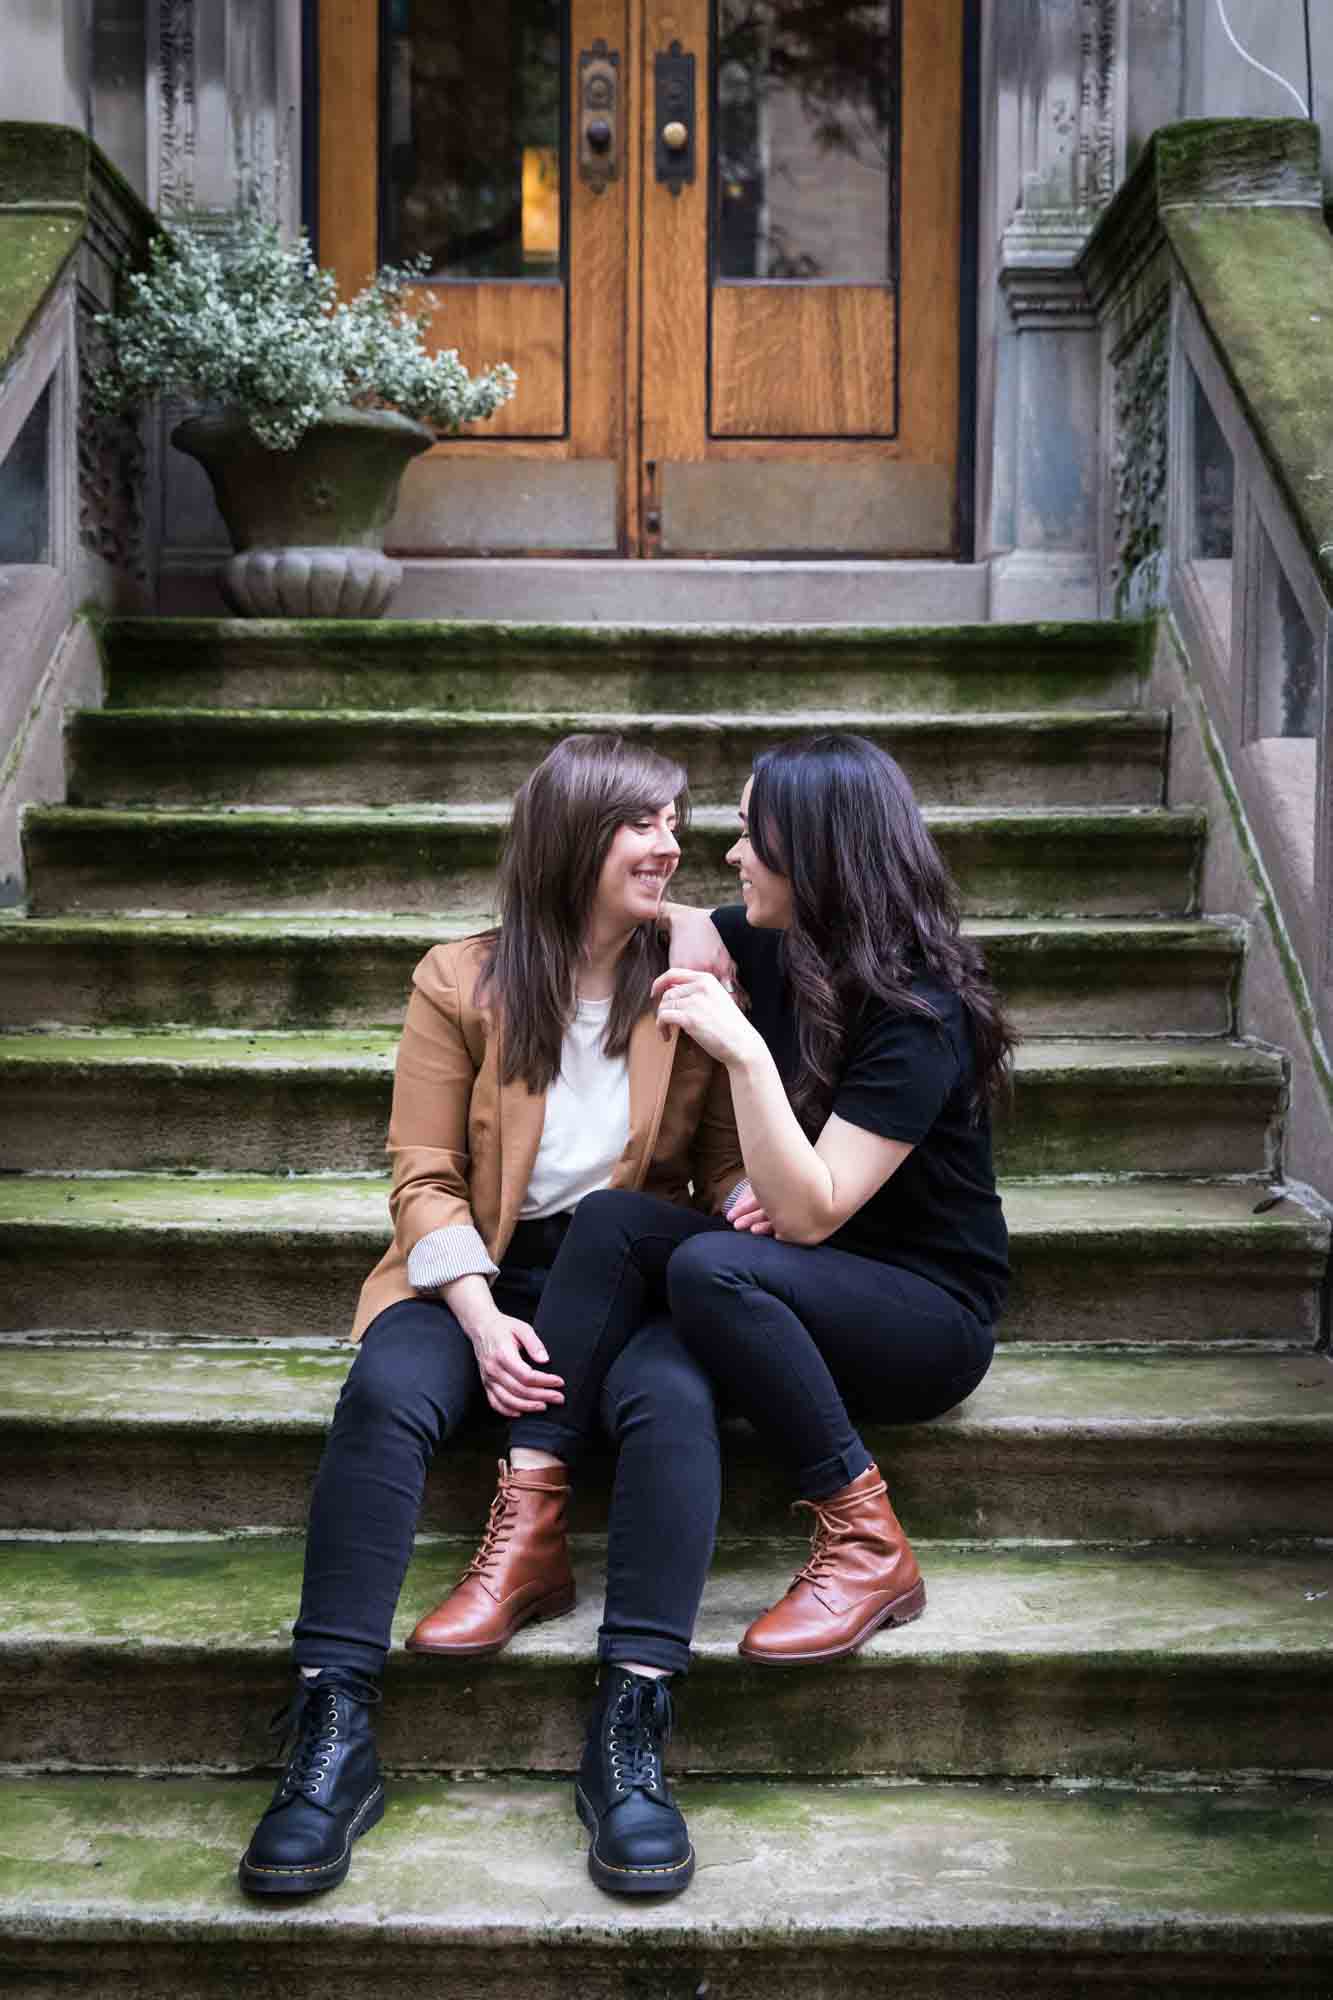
505	1349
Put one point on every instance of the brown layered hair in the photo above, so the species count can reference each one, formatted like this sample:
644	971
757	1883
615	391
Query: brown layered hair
873	906
565	817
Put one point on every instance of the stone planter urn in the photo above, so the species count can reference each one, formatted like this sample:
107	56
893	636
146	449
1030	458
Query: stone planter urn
307	525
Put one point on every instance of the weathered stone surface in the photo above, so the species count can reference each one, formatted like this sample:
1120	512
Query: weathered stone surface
1121	862
1221	1656
1058	977
268	1103
34	249
680	670
228	1255
1240	203
811	1891
264	757
334	490
310	583
1083	1444
1238	163
1261	279
52	179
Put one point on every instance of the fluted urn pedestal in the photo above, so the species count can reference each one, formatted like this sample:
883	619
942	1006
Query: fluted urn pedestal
307	525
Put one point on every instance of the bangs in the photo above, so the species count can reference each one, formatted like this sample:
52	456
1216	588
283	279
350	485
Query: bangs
622	781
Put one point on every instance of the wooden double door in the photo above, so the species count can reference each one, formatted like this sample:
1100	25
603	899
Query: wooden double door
717	239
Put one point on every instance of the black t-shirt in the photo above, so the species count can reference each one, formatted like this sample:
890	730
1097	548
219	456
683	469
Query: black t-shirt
906	1077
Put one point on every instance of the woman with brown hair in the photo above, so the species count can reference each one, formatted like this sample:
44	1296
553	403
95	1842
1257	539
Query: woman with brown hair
866	1261
531	1072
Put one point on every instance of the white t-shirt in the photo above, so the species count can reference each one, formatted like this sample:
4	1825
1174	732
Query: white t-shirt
587	1119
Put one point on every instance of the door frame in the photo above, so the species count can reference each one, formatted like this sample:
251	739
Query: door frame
969	354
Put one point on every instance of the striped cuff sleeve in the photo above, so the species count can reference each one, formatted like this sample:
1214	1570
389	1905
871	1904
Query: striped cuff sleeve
741	1187
447	1254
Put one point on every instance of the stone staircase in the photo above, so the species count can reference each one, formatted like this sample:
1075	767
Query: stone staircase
1100	1764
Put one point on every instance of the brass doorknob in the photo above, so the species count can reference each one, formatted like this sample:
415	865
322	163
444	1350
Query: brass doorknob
675	136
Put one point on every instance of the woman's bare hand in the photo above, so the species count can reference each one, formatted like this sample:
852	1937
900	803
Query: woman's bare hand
749	1213
512	1386
707	1012
695	944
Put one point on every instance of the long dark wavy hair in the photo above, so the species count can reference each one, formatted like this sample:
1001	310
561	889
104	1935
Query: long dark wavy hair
872	905
565	817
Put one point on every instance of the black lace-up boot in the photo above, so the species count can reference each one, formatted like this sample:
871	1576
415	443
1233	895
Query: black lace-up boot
329	1794
640	1842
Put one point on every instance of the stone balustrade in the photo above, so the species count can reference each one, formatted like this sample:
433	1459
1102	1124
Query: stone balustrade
1211	282
76	489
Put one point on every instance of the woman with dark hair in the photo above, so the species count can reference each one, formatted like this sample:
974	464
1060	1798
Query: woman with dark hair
531	1072
862	1084
867	1258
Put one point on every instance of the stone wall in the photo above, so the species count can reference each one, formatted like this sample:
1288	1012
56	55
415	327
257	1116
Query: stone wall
1072	91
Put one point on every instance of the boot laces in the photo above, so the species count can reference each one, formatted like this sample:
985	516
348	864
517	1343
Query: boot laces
499	1527
828	1530
640	1727
309	1722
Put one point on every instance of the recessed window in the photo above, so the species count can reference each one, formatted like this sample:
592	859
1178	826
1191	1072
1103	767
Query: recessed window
25	489
1283	712
1287	687
1212	508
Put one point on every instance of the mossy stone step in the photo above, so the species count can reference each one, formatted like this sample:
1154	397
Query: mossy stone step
119	1886
1071	1444
200	757
1120	861
1058	976
680	670
1221	1656
223	1099
198	1254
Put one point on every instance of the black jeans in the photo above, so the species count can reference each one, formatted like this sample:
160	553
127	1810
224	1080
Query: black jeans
785	1332
413	1382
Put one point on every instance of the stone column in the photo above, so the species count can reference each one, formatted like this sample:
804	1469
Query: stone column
1057	75
44	70
224	87
224	124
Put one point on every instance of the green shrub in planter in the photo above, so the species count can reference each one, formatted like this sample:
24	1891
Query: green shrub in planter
319	404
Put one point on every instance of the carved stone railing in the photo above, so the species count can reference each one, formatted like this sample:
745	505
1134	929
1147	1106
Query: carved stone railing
74	486
1211	279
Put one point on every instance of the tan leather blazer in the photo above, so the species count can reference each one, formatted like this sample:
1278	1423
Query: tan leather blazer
463	1145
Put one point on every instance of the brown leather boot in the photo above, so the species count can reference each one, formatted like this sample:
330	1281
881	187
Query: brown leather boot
520	1573
861	1575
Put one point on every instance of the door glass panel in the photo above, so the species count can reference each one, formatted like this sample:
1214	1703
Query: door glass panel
806	139
473	96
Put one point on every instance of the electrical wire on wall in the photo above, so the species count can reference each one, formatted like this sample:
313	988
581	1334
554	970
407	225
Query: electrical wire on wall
1306	103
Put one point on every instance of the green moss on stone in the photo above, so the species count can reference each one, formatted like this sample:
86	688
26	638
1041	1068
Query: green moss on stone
47	177
411	636
1263	281
48	163
399	664
34	249
1218	159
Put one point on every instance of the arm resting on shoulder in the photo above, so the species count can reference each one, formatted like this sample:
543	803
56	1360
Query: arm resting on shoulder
694	941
